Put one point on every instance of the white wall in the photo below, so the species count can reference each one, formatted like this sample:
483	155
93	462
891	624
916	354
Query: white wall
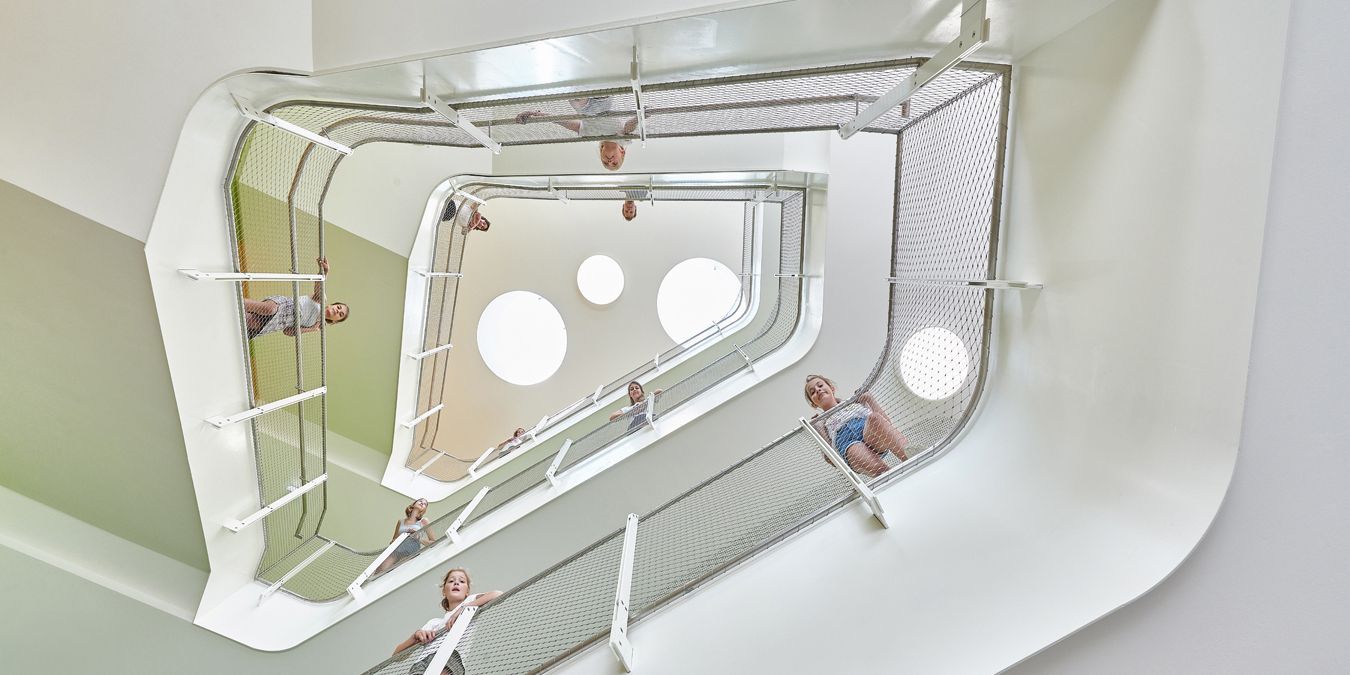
1109	428
350	32
380	191
95	93
1266	590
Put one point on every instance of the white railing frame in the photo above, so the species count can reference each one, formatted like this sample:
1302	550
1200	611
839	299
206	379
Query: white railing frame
430	352
294	571
453	532
993	284
224	421
198	275
473	468
619	643
247	110
552	474
354	588
451	640
444	110
418	420
237	525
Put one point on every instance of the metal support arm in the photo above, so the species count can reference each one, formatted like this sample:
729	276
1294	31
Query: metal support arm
435	103
974	33
247	110
237	525
868	497
618	628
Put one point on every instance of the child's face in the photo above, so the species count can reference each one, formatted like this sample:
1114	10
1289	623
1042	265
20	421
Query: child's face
629	210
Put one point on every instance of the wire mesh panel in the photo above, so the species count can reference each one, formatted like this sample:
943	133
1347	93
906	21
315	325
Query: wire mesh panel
927	382
951	145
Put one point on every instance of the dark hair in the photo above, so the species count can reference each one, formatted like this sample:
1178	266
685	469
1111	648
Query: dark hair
450	208
639	385
486	223
826	380
445	603
346	316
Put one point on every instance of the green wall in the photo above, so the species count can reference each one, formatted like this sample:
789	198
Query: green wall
88	421
363	351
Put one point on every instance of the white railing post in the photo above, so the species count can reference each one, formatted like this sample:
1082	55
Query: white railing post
450	641
226	420
974	33
354	588
635	80
556	194
434	275
552	474
656	363
618	628
473	468
595	398
418	420
453	532
435	103
247	110
294	571
992	284
436	455
744	356
434	350
868	497
237	525
198	275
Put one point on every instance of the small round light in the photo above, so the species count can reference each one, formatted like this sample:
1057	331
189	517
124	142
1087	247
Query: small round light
934	363
600	279
693	295
522	338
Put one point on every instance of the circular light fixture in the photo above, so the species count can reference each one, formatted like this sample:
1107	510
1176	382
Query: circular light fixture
934	363
600	279
693	295
521	337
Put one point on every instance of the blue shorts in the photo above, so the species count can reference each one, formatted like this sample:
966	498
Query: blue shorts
850	433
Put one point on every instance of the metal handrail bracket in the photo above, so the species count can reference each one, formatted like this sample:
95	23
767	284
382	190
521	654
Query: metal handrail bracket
618	627
224	421
237	525
453	532
354	588
552	474
868	497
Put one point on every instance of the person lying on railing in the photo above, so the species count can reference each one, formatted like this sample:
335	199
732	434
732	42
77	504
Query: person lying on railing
414	522
454	598
861	432
277	312
593	123
637	406
509	445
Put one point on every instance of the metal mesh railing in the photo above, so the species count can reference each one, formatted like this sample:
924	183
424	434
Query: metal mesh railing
278	183
942	232
426	456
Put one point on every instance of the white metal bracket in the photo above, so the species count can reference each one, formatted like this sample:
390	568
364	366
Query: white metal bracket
354	588
635	78
433	275
744	356
595	398
992	284
220	422
418	420
552	474
473	468
450	641
237	525
294	571
247	110
198	275
868	497
444	110
556	194
974	34
618	628
453	532
434	350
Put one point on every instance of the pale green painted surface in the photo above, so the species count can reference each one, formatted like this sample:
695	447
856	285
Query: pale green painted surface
363	351
88	421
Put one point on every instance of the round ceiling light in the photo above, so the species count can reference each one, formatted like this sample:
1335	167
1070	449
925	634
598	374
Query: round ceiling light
522	338
934	363
695	294
600	279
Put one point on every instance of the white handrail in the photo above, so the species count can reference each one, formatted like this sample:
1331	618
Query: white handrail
434	350
453	532
451	640
618	627
224	421
868	497
473	468
247	110
552	474
198	275
354	588
294	571
418	420
237	525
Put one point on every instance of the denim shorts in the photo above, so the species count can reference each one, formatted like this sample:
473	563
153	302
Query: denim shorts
850	433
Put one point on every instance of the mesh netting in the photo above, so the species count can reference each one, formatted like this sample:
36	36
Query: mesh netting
923	386
951	147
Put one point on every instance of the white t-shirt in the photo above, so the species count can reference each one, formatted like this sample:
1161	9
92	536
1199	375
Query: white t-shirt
439	622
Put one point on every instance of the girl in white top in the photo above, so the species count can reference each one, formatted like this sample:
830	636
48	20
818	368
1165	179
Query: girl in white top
860	431
277	312
637	405
454	598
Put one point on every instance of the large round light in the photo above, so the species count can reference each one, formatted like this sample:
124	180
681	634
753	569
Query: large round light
934	363
600	279
521	337
694	294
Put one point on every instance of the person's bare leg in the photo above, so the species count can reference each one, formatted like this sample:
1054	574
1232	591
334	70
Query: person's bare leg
260	307
880	434
864	461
